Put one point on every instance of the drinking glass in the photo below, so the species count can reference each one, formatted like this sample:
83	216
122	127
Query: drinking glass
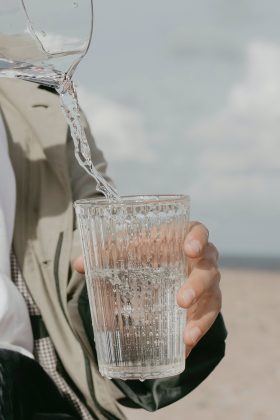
42	40
135	265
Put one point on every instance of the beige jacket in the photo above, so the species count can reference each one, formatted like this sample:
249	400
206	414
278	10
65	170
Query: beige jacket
45	239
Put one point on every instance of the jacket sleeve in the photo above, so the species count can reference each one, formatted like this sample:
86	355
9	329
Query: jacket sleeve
150	394
157	393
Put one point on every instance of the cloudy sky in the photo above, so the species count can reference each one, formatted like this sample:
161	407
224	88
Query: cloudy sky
185	97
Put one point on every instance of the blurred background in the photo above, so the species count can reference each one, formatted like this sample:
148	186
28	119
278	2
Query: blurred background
184	97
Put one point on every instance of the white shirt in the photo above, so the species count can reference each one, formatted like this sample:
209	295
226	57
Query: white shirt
15	327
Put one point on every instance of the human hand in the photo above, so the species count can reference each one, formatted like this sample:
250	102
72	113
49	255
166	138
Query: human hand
201	293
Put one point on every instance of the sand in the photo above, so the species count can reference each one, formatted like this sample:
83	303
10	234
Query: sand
246	384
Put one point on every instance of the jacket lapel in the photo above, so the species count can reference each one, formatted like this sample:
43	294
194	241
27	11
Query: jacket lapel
36	133
31	112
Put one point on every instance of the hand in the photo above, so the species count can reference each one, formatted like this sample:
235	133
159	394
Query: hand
201	293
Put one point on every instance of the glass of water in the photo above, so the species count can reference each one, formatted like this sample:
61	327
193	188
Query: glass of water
41	40
135	265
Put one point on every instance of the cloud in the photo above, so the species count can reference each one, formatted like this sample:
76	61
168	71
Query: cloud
236	187
241	142
118	129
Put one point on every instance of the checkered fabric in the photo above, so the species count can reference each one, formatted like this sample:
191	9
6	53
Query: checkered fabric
44	351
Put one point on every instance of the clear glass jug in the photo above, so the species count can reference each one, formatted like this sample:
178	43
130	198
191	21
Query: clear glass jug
42	40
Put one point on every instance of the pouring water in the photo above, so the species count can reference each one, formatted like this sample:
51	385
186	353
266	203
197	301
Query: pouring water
32	48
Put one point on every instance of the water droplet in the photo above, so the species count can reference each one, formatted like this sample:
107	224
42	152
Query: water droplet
43	33
75	4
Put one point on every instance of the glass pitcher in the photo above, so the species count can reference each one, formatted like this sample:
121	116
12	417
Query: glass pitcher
42	40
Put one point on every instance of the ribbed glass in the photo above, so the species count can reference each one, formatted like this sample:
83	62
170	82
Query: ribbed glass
135	265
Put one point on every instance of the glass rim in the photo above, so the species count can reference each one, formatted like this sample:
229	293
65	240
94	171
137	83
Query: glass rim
135	200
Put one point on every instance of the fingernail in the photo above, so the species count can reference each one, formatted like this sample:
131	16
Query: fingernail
188	296
194	334
194	246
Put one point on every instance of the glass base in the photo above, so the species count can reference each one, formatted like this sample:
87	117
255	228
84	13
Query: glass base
141	373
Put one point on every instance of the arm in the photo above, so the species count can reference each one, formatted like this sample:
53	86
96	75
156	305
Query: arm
205	332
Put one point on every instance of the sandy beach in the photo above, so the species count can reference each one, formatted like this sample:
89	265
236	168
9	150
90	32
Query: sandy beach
246	385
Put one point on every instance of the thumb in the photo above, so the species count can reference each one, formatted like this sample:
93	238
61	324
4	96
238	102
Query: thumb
79	264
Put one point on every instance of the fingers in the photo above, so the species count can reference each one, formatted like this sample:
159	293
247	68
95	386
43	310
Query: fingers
79	265
201	295
203	278
196	239
209	255
201	318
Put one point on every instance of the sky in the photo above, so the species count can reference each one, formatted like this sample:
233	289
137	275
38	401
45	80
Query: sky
184	97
